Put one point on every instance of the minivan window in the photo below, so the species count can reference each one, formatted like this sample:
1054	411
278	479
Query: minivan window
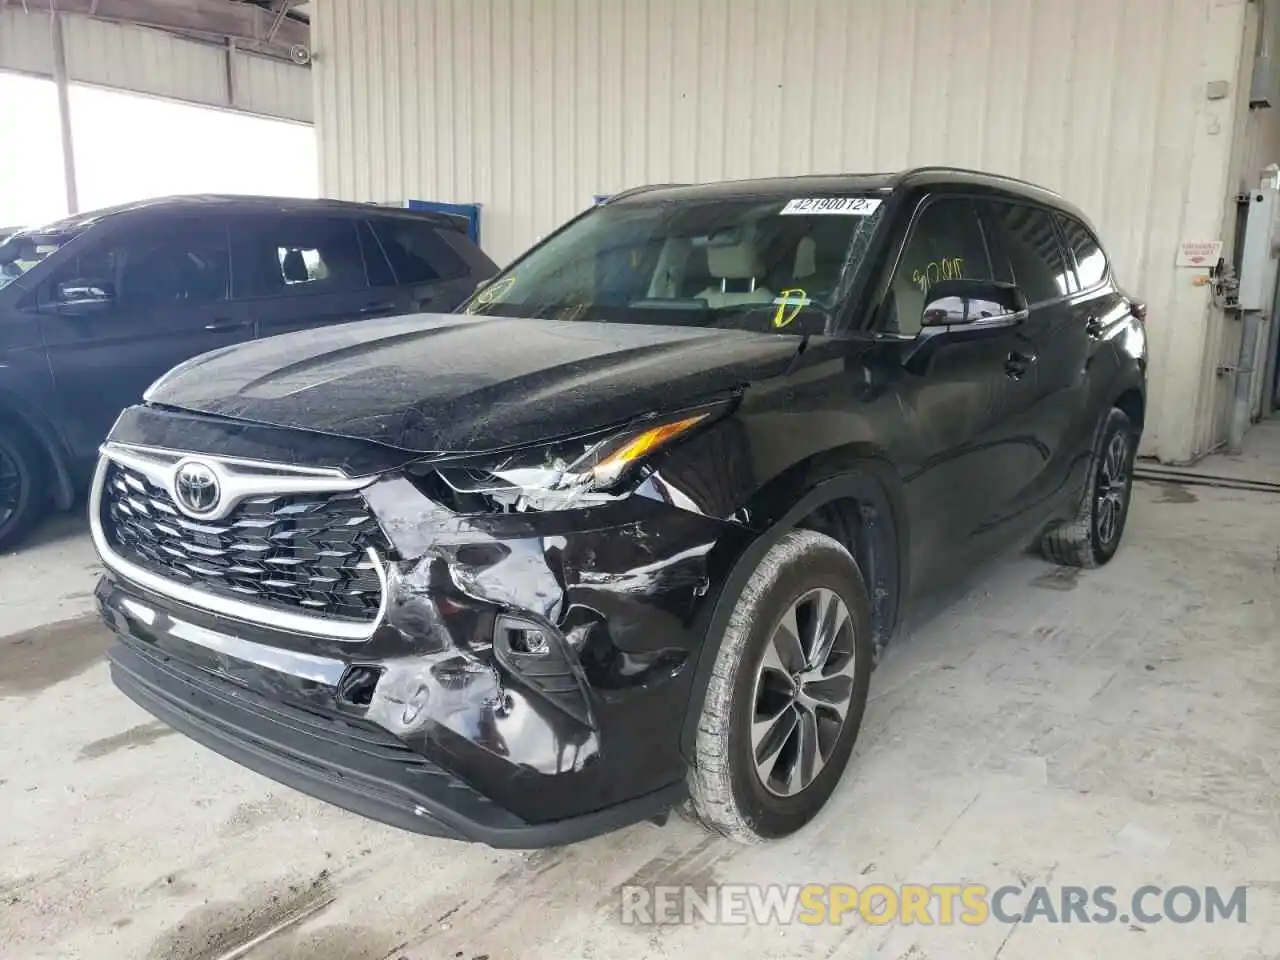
1028	238
1091	262
755	262
22	251
375	262
417	253
945	244
289	256
154	268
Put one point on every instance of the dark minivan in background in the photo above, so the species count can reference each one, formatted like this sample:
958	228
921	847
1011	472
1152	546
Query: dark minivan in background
96	307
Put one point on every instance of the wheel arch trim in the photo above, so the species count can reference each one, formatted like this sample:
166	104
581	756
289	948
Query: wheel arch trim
867	480
38	426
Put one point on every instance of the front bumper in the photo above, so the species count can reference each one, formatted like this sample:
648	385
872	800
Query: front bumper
353	765
434	725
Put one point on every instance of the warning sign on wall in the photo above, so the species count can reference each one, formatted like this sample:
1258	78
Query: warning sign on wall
1199	253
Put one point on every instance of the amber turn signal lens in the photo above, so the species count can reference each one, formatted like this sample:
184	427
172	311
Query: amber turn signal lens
646	443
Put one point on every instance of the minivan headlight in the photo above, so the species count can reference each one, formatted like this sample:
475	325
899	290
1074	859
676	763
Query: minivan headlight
569	474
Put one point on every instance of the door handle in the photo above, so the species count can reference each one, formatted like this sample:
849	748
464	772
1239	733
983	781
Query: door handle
1017	363
224	324
376	308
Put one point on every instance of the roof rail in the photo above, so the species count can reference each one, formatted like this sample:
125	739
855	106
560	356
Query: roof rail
940	167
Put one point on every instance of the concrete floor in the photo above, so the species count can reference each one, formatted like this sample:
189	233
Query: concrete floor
1259	461
1113	727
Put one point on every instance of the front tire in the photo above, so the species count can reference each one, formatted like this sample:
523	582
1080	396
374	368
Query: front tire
1092	537
22	493
786	694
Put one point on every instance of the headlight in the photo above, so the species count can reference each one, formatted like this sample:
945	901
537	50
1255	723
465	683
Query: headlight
570	474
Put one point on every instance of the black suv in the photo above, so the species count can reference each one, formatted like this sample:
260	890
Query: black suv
96	307
635	526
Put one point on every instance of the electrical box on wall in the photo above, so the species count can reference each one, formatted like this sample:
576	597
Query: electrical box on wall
469	210
1257	257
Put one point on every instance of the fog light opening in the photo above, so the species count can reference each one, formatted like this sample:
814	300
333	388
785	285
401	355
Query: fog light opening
521	636
357	685
529	641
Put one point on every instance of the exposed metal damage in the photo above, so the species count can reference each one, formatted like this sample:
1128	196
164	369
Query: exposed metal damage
533	623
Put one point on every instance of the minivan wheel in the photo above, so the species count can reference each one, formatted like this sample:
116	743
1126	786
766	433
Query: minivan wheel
21	486
1092	537
786	694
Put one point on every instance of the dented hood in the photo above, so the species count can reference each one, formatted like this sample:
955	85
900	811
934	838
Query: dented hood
434	383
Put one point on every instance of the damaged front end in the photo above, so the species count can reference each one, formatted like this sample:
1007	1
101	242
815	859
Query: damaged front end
525	677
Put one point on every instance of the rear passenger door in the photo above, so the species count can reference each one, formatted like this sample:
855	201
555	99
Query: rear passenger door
1025	242
438	267
1092	310
299	272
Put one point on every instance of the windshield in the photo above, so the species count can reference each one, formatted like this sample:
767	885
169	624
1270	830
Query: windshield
22	251
761	264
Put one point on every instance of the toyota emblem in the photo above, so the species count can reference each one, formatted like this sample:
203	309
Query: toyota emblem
197	489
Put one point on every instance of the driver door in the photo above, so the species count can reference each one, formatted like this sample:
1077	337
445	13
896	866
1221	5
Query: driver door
127	310
964	429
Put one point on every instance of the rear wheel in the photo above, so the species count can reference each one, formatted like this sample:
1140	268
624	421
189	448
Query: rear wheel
1092	537
787	692
22	493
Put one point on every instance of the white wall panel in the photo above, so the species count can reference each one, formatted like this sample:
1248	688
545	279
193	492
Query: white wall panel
154	62
25	43
146	61
532	106
271	88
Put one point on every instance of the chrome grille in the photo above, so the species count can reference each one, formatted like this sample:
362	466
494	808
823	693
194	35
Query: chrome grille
304	553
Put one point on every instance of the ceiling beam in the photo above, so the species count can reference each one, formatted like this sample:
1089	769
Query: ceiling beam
281	11
217	19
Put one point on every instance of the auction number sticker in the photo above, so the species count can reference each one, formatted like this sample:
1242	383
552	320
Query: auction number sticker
842	206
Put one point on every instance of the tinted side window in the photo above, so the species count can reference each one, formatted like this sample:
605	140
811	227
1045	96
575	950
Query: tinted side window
416	252
1028	238
945	243
1091	262
294	256
157	268
375	263
96	267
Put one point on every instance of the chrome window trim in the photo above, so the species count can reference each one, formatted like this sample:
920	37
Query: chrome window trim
151	462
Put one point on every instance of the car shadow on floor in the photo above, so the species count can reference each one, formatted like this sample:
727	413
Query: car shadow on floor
55	528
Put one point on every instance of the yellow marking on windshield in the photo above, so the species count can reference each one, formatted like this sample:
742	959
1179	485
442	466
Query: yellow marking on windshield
790	303
492	294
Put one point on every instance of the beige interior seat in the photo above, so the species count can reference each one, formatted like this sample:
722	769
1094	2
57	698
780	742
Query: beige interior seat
806	259
737	267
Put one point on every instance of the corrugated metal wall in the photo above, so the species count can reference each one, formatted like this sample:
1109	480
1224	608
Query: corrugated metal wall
531	107
1257	144
155	62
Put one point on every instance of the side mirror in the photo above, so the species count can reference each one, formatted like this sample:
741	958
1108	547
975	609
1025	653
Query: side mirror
972	304
83	295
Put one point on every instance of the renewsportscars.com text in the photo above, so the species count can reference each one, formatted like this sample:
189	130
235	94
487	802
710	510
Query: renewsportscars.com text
930	904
